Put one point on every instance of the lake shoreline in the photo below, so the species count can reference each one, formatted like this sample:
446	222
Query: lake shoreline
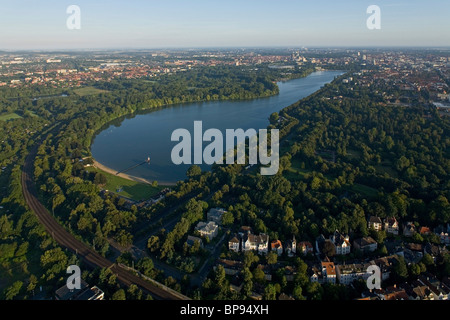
106	169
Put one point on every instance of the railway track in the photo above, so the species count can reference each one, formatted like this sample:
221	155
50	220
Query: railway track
67	240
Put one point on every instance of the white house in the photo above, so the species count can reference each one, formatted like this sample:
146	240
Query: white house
207	229
391	225
341	243
375	223
259	243
233	244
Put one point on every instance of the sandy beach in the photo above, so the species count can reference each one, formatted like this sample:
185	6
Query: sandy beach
100	166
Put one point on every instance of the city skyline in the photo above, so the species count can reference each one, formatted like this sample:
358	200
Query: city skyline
212	24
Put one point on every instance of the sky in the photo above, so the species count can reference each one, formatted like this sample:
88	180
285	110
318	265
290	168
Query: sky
148	24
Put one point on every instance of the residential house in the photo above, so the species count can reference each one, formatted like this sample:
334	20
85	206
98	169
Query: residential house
260	243
424	231
329	272
234	244
320	241
277	247
375	223
208	229
386	265
391	225
409	229
289	273
443	234
215	215
417	290
305	247
231	267
191	240
341	243
366	244
267	271
439	291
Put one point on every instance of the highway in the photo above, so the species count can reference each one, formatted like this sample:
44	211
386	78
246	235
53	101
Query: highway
67	240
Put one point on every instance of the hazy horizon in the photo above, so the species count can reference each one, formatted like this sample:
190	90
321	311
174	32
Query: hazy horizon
116	25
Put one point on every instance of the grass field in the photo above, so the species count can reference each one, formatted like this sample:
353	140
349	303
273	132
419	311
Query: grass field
130	189
87	91
9	116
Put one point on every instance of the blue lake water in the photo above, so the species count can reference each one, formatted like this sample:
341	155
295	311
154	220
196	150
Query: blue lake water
131	140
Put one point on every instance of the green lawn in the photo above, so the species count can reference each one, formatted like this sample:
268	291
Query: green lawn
130	189
364	190
9	116
86	91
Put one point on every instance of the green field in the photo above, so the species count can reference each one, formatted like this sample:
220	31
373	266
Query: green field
87	91
130	189
9	116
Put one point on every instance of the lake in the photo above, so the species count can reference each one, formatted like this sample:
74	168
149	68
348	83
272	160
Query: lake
129	141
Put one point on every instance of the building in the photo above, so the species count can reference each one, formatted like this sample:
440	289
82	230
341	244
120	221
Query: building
191	240
231	267
391	225
375	223
234	244
366	244
208	229
329	272
277	247
348	273
84	293
291	247
305	247
341	243
215	215
259	243
409	229
424	231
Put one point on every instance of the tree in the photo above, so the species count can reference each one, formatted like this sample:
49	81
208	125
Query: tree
328	249
400	269
272	257
194	171
13	290
270	292
274	118
100	179
297	293
259	275
119	295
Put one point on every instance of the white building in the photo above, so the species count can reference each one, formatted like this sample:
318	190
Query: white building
207	229
341	243
258	243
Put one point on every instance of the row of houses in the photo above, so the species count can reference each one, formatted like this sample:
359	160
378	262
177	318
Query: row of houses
426	287
392	226
329	272
245	240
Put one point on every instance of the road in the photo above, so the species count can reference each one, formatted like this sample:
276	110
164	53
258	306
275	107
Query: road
67	240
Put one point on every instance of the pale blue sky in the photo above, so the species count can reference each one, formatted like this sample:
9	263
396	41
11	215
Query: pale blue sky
33	24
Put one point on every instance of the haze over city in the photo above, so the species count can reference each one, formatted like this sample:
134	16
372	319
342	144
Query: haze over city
175	23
